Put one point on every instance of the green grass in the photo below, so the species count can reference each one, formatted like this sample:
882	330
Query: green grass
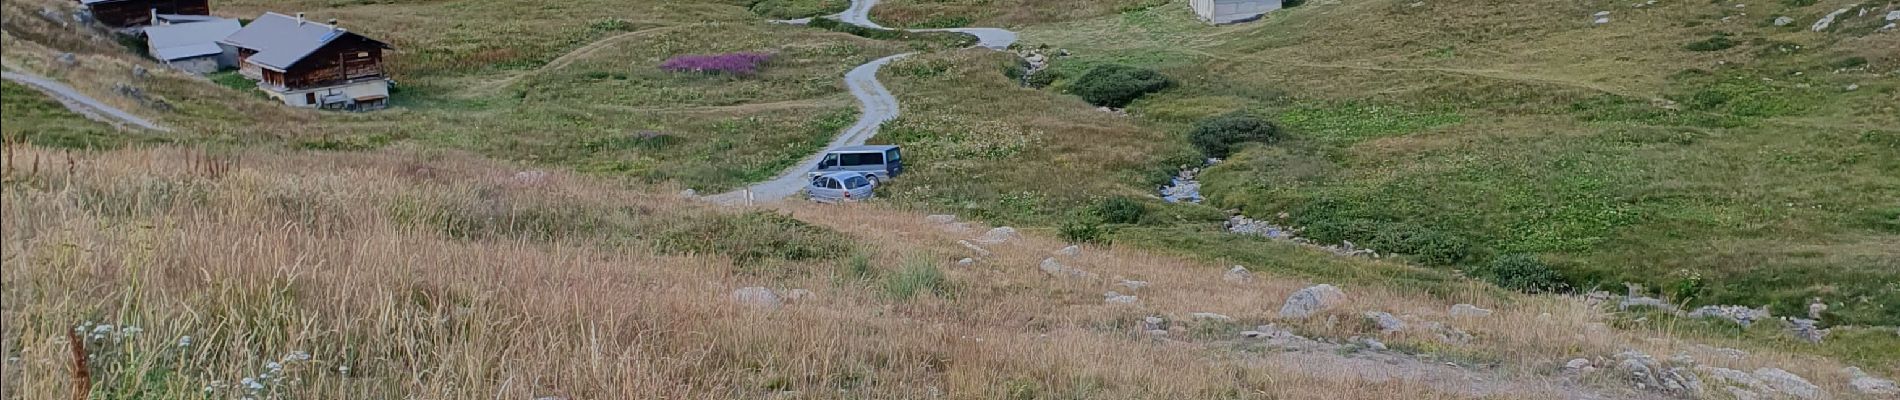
788	9
32	117
916	277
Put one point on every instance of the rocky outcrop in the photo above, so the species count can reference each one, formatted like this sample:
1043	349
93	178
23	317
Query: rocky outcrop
1737	314
1311	300
1385	321
1237	274
1868	384
1055	268
998	235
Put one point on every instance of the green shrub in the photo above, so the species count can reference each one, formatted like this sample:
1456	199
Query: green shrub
1083	231
1218	135
1120	210
753	237
1116	85
1718	42
1521	272
1423	245
917	276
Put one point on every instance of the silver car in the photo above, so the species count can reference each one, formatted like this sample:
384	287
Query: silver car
837	187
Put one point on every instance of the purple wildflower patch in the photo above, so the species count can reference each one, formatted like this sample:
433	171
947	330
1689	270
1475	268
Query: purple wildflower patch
742	63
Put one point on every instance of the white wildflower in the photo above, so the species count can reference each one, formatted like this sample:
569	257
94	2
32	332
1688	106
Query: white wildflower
184	341
130	330
297	356
273	366
102	329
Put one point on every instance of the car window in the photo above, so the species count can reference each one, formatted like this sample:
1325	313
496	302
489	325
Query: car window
819	181
857	159
856	182
832	184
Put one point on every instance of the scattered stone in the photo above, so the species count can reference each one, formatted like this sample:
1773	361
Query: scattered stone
997	235
531	178
1649	374
1211	316
1371	343
67	59
1467	310
1729	353
689	193
1133	285
1868	384
1893	15
1154	323
1828	20
1070	251
1055	268
1237	274
1448	334
1579	365
138	71
1111	110
940	219
1806	329
1118	298
1789	383
1278	337
756	296
1784	21
1737	314
966	262
1741	382
1815	305
980	252
52	15
1642	301
1185	187
1306	302
1387	323
798	295
1850	87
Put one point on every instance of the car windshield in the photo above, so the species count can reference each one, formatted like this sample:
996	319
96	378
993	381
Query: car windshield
857	159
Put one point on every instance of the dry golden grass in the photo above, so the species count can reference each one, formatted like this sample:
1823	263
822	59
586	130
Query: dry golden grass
261	254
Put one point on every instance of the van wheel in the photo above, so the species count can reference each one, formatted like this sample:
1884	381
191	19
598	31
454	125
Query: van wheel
874	181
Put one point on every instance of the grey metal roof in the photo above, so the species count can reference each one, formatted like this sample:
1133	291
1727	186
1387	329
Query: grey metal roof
182	18
863	148
192	39
282	40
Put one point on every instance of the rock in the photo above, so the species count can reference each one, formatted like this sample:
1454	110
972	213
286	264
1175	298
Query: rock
1601	20
1737	379
1211	316
1806	329
530	178
1070	251
1238	274
1156	332
1579	365
940	219
966	262
1311	300
1643	373
797	295
1133	285
1387	323
67	59
980	252
1868	384
1449	334
1893	15
1467	310
1601	14
1372	343
138	71
1154	323
689	193
1725	352
1649	374
1816	306
1850	87
1055	268
756	296
1118	298
1276	336
997	235
1827	20
1789	383
1640	301
1783	21
1737	314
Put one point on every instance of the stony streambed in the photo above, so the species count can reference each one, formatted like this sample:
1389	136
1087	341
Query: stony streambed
1185	187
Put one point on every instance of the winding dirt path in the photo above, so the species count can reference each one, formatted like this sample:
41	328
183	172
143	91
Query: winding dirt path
81	103
876	102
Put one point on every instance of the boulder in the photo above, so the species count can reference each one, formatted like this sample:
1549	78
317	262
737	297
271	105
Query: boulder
997	235
980	252
1806	330
1070	251
1737	314
1784	21
1237	274
1154	323
756	296
67	59
1736	379
1371	343
1311	300
1118	298
1055	268
966	261
1785	382
1827	20
1579	365
1867	384
1386	322
1133	285
941	219
1467	310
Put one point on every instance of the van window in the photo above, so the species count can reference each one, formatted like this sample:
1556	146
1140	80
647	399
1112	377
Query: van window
856	182
857	159
893	155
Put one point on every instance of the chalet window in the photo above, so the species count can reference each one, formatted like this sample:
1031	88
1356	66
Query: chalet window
310	98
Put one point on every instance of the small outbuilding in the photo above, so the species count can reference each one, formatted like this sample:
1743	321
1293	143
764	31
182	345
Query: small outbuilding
130	13
1232	11
191	44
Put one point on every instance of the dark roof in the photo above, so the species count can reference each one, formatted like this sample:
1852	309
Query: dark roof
282	40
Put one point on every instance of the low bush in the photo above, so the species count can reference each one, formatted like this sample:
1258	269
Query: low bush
1714	43
1121	210
1218	135
1083	231
1116	85
917	276
739	64
753	237
1521	272
1422	245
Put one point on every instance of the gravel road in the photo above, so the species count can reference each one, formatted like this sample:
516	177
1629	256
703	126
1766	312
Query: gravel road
79	102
